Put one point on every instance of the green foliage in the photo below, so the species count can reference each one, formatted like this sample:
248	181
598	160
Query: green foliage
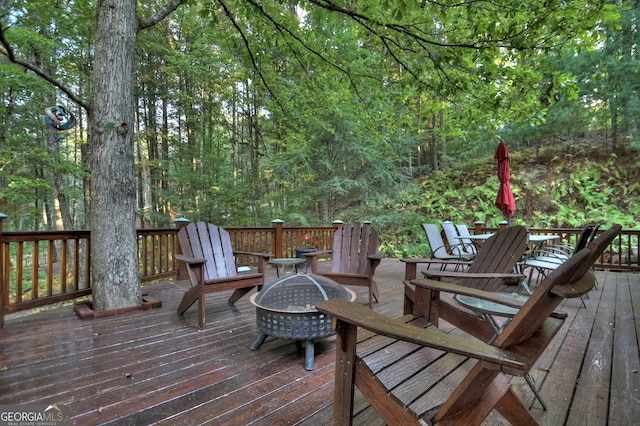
251	112
569	188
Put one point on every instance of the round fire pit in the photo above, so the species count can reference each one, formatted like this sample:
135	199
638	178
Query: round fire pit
285	308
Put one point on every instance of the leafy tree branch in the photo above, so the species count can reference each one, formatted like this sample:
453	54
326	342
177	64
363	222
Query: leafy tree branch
160	15
7	50
247	46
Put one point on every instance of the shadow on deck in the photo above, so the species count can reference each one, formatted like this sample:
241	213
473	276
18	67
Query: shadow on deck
154	367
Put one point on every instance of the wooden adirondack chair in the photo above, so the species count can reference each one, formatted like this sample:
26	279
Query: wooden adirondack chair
414	375
210	259
354	257
504	250
494	263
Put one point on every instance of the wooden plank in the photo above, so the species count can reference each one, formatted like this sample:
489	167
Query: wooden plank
624	406
559	367
368	417
151	360
382	358
195	377
196	405
305	403
590	401
399	372
443	388
429	379
261	408
634	291
354	249
113	350
181	374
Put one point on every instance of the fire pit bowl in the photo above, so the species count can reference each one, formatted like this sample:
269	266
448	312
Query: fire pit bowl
285	308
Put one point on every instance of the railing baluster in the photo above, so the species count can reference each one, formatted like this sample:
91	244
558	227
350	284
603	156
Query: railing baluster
50	254
19	263
64	273
158	246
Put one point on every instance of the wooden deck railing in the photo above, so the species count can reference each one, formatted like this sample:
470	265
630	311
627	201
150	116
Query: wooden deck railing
622	253
40	268
45	267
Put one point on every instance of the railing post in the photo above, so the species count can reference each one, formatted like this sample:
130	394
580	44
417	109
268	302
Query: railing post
503	224
180	222
337	224
278	238
4	292
479	227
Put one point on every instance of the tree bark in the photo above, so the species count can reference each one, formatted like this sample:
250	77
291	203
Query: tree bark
434	145
63	202
115	277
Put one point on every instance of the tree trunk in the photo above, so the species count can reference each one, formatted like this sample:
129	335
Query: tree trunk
614	125
114	261
63	202
434	145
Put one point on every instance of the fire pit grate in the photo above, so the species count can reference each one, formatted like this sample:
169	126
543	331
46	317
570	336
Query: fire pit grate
285	308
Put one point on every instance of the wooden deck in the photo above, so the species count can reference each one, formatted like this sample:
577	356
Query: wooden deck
153	367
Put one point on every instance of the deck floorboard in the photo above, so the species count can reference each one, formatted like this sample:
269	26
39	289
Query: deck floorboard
155	367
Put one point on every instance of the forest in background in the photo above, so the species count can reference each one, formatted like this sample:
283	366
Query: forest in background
241	120
556	186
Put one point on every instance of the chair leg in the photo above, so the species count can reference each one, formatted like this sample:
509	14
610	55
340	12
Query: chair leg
189	298
409	295
584	305
514	410
238	293
346	335
532	385
201	308
525	285
373	293
474	398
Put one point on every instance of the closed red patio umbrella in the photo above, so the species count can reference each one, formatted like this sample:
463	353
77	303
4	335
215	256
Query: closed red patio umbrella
504	200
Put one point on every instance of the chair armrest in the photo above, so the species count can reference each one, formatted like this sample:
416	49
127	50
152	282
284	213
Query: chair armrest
190	260
312	258
471	275
323	253
360	316
435	260
262	258
491	296
250	253
461	247
565	250
376	256
411	265
578	288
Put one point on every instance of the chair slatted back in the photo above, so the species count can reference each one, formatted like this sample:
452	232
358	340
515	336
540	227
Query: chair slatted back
212	243
571	279
500	253
585	237
352	243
